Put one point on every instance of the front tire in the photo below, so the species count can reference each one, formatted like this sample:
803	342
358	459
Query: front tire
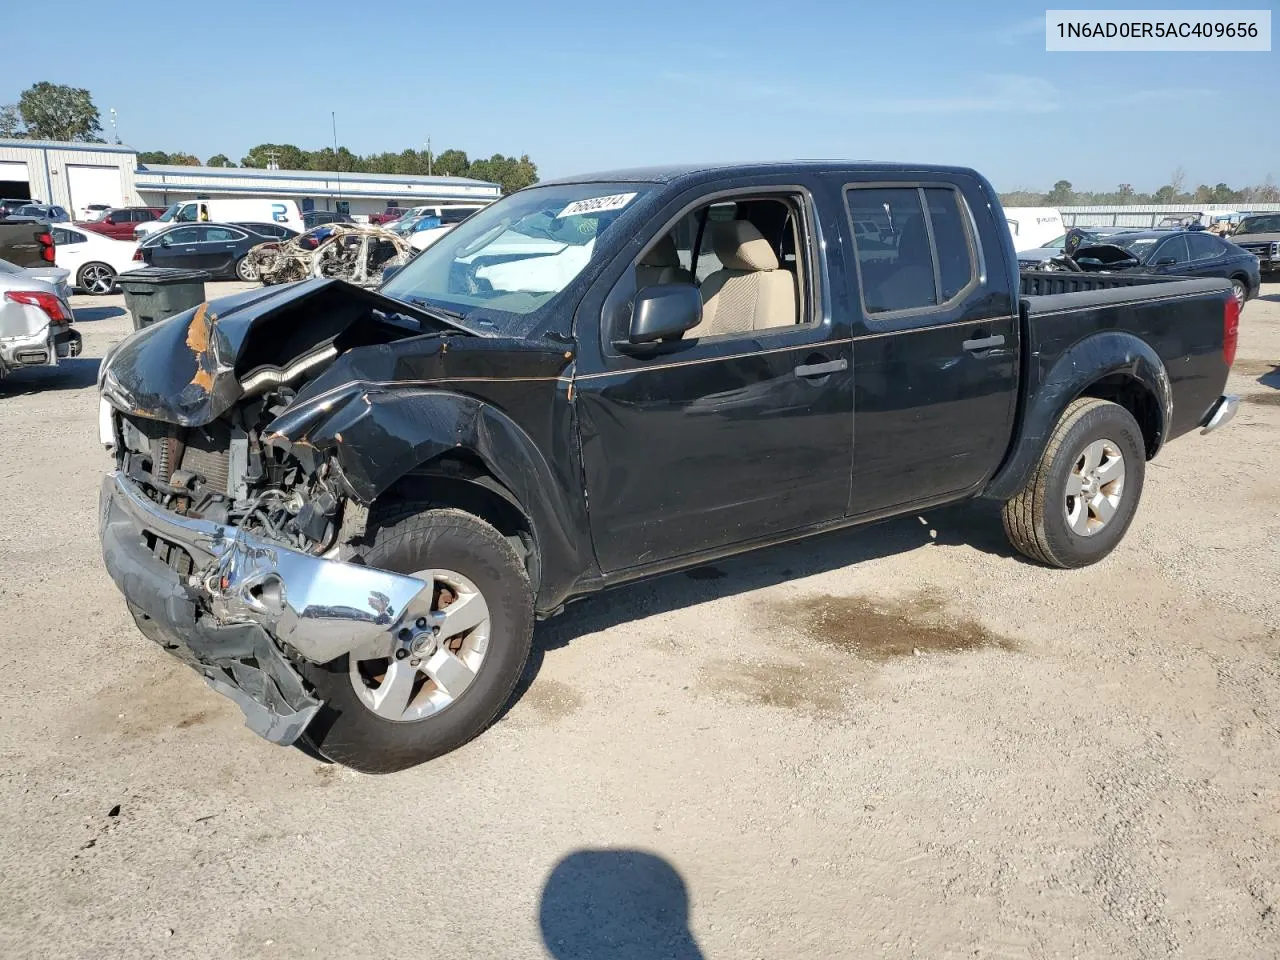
385	715
1080	499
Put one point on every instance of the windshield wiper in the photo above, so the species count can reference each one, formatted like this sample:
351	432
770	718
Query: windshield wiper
428	307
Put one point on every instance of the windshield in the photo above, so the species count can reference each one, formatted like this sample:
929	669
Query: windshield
170	210
514	257
1269	224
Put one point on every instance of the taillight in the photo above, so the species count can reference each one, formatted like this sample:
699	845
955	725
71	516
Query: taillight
46	246
1230	330
137	255
36	298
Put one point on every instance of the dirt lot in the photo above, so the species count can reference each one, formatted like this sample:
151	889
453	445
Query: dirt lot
898	742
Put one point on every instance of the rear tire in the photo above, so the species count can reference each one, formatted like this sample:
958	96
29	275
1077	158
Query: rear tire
413	539
1080	499
96	279
245	270
1240	291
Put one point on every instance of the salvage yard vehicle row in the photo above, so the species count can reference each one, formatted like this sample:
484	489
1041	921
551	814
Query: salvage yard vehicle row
345	508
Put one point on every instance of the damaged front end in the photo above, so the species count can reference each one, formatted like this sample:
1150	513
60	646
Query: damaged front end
241	609
227	533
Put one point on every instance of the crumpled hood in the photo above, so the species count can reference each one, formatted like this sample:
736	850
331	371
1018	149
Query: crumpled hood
186	369
1105	256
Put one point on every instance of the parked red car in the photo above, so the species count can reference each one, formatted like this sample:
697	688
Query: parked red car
120	221
389	215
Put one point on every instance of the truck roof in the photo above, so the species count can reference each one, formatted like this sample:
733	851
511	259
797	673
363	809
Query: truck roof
699	171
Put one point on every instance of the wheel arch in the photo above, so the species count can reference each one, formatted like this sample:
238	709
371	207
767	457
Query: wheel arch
459	478
1112	365
446	448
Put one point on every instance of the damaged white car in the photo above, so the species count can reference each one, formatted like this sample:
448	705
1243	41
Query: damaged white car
340	251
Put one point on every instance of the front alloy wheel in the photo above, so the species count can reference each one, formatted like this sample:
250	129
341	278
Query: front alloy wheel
437	656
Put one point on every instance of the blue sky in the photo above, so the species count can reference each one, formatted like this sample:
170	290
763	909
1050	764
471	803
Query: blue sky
582	86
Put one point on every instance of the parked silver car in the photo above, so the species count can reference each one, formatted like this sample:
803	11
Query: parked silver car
35	318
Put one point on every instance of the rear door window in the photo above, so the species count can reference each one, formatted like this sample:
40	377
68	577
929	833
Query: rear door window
1204	247
951	241
921	253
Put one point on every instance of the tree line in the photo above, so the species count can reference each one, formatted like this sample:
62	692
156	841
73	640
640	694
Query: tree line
50	111
512	173
1175	191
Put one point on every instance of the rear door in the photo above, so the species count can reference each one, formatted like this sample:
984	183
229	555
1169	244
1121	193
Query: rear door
217	249
935	342
1208	256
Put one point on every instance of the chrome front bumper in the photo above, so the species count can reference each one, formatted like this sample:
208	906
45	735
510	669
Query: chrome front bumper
1220	413
247	606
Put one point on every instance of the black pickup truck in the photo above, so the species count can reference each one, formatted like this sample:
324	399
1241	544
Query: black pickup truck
346	508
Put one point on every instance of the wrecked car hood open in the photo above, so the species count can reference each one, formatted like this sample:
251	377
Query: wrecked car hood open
192	368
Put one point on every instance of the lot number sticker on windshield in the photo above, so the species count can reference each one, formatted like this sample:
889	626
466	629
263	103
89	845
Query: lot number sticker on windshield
596	205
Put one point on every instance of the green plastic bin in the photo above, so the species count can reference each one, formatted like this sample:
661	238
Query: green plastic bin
152	294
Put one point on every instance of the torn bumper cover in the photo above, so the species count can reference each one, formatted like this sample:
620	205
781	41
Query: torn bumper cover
247	605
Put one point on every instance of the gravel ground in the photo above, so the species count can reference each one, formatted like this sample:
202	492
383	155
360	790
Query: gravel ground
897	742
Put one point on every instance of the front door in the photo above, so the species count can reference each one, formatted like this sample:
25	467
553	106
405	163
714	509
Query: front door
740	430
177	247
936	345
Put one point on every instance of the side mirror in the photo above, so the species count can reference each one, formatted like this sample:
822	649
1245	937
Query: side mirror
110	220
166	241
663	312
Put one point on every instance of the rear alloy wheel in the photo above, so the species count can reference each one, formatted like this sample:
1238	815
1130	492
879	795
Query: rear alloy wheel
1240	292
246	271
97	279
1082	495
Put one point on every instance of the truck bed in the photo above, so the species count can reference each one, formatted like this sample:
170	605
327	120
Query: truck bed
1182	321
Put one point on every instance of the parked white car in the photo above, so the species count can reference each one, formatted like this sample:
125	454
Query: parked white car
93	260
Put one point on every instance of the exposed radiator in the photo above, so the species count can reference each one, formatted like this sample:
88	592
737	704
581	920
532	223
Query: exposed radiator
200	457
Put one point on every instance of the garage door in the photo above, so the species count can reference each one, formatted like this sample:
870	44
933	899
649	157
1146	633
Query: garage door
94	185
14	182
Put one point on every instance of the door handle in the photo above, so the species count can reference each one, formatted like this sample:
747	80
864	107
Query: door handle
984	343
821	369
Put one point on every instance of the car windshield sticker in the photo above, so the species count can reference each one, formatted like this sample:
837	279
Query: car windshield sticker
596	205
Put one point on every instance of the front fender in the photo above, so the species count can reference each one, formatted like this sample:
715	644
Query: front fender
377	436
1050	392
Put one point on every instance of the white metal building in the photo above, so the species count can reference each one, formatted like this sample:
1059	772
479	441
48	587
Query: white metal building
353	193
1148	215
74	175
68	174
